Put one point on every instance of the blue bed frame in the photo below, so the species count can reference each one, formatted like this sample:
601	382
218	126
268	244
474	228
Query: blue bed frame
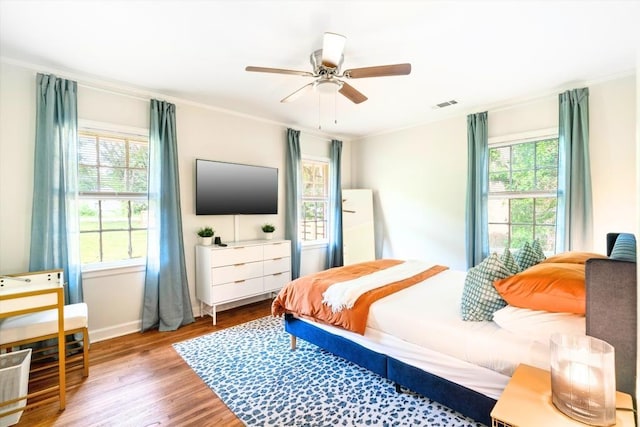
466	401
609	283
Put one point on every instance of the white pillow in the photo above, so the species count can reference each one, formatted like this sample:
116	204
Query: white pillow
538	324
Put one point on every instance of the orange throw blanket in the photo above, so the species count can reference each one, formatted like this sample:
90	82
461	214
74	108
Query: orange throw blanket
303	296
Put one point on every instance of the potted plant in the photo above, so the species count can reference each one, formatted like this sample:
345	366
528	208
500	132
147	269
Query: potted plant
206	235
268	230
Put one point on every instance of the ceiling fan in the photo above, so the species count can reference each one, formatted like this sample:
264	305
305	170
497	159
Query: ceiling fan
327	71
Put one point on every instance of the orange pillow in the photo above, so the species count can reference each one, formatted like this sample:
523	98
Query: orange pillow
555	287
573	257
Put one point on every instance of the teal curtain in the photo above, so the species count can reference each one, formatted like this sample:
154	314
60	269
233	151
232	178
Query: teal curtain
167	304
477	217
574	229
293	197
334	248
54	220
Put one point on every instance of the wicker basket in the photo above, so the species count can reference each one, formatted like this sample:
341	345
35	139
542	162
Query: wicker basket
14	383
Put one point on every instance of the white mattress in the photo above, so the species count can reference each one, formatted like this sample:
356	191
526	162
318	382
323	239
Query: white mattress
421	326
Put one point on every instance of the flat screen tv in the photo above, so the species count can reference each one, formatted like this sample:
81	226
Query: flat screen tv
235	189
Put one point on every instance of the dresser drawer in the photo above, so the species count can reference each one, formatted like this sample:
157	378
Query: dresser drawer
274	282
235	255
236	290
277	250
277	265
231	273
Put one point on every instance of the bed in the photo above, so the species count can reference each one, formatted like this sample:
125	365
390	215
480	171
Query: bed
416	337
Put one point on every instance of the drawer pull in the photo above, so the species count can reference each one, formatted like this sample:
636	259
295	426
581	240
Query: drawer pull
239	281
277	274
239	247
238	265
276	259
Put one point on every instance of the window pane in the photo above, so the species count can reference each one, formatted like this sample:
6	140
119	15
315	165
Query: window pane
547	236
87	154
138	155
89	248
547	153
88	178
112	180
115	215
498	211
88	214
499	182
523	156
546	211
137	181
500	159
138	243
139	214
498	237
521	234
112	152
522	211
115	245
523	181
547	179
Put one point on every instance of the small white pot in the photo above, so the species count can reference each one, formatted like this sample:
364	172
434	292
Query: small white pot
268	236
206	241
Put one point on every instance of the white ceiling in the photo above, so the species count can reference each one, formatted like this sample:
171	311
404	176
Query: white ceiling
480	53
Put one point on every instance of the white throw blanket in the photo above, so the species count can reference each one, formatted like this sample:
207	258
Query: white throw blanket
344	294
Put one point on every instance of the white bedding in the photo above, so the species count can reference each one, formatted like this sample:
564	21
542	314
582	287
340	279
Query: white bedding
421	326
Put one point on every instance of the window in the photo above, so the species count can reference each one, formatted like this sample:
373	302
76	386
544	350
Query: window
112	175
523	184
315	200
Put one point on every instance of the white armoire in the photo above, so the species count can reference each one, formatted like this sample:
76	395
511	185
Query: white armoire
357	226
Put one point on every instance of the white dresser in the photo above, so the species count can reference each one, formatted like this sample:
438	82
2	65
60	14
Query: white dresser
240	270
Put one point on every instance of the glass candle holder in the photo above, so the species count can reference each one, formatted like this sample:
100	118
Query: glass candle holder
583	380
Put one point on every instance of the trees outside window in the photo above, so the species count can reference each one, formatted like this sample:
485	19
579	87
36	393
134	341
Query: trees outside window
112	174
315	200
523	184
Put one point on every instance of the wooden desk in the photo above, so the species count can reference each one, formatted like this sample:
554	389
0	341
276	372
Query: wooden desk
31	292
526	402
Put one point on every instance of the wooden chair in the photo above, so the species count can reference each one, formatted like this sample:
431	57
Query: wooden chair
43	325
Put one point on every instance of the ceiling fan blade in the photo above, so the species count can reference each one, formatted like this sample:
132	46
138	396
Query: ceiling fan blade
332	48
379	71
279	71
352	93
295	95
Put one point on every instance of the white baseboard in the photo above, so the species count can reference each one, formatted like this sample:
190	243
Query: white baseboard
115	331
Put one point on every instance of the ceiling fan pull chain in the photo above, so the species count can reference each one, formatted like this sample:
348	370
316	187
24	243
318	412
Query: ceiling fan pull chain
319	123
335	108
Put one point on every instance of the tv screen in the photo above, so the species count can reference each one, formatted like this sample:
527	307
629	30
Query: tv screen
233	188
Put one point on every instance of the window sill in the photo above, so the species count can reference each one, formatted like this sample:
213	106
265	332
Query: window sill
112	268
314	245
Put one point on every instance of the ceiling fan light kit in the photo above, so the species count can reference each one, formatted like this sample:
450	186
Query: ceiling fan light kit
327	63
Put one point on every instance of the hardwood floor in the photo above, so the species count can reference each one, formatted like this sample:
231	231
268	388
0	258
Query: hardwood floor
139	380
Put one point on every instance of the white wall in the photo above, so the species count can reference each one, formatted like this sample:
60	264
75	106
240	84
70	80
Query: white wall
115	296
419	175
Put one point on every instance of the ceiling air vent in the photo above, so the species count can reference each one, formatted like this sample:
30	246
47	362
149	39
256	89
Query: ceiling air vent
446	104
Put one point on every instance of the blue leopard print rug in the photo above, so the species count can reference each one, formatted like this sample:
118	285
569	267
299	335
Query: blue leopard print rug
252	369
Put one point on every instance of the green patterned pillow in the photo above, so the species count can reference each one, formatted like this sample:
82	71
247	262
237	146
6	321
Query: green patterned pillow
509	262
537	248
479	298
526	257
